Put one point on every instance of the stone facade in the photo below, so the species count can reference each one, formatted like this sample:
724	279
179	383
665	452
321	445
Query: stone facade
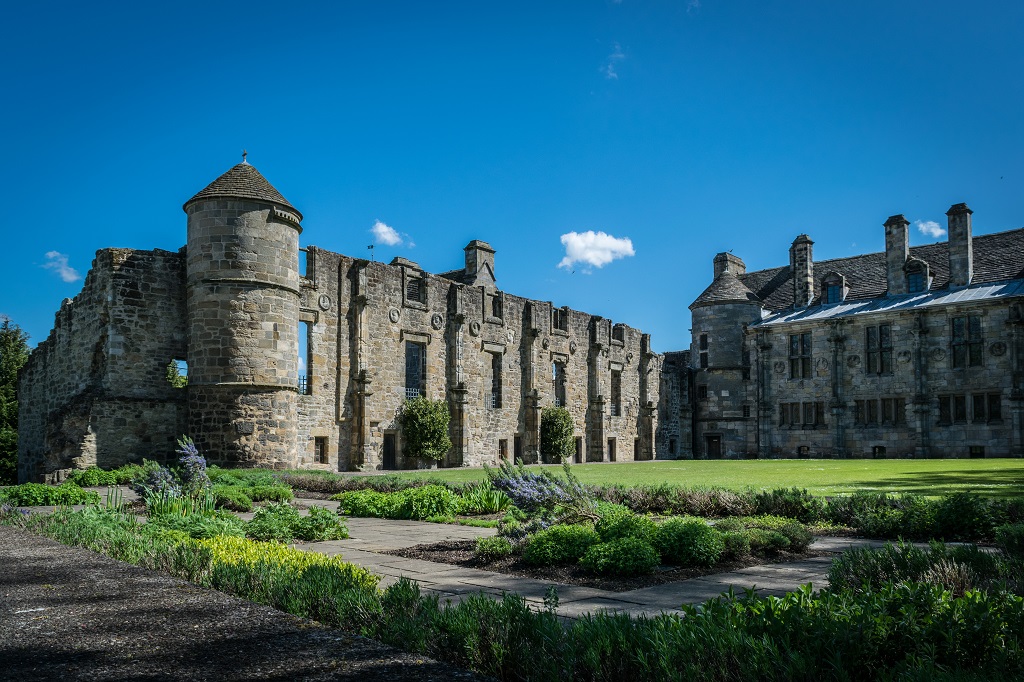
914	352
234	304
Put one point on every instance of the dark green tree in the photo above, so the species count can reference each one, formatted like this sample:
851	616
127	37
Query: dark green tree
556	434
13	354
425	428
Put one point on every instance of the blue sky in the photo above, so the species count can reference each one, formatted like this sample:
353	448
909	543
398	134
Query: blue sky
686	127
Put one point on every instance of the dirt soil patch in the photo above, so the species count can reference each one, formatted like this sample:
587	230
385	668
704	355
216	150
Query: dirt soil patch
460	553
67	613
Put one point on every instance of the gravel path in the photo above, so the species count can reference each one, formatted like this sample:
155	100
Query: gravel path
70	614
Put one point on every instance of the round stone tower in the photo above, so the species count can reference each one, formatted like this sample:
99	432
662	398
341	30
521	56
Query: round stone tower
242	282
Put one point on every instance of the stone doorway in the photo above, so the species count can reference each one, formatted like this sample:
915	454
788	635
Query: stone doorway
713	447
390	451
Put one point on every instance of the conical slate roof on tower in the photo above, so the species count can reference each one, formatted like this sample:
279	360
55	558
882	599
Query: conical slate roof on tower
727	288
243	181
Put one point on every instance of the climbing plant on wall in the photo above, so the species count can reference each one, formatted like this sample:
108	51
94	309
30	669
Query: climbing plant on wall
13	354
425	428
556	439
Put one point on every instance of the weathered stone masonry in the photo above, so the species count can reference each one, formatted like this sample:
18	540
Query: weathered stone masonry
233	304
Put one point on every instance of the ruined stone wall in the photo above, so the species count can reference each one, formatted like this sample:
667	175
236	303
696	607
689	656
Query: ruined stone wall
675	412
95	392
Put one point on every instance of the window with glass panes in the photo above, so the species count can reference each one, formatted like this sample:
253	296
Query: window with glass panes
967	344
800	356
879	349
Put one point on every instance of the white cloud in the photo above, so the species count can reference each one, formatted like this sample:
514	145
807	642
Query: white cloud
594	248
386	234
302	364
614	58
930	228
692	6
58	262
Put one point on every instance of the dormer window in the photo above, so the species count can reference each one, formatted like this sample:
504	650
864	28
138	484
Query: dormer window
917	276
833	288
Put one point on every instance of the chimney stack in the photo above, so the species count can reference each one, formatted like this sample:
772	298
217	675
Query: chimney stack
802	266
961	248
897	251
479	264
726	262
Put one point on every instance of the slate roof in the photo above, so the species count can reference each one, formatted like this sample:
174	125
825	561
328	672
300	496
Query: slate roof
997	257
243	181
726	288
455	275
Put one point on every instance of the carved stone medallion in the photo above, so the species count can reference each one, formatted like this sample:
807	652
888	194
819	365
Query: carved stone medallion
437	320
821	364
474	328
545	344
904	356
853	361
393	315
780	367
572	346
997	348
938	355
629	357
324	302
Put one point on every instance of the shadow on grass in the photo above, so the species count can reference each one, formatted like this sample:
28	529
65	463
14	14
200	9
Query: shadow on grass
1001	484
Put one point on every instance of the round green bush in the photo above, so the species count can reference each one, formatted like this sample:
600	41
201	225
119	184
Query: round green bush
768	541
231	497
622	523
737	544
689	542
625	556
963	516
489	549
559	545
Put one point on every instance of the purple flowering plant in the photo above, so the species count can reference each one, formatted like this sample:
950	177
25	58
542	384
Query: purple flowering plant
195	482
544	496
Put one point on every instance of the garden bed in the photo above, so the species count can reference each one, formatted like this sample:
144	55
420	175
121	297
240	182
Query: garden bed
460	553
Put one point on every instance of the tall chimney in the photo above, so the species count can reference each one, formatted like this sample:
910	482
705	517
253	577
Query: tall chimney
726	262
479	264
897	251
961	249
802	266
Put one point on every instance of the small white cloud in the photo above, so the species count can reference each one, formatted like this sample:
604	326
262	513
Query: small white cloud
58	262
594	248
692	6
614	58
930	228
386	234
302	364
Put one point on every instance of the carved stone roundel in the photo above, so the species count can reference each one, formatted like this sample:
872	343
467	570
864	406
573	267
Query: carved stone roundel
938	354
572	346
853	361
903	356
780	367
545	344
393	315
998	348
474	328
511	336
821	364
324	302
437	320
629	357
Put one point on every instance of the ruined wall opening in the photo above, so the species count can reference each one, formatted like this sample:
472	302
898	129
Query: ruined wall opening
177	373
305	358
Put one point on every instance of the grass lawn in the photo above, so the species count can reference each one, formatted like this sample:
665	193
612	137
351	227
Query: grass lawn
991	477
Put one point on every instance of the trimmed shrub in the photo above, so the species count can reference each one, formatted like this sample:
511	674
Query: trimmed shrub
625	556
282	522
1010	539
618	522
39	494
793	503
689	542
736	544
489	549
430	500
425	428
318	525
559	544
231	497
269	493
94	476
766	541
556	434
799	537
962	516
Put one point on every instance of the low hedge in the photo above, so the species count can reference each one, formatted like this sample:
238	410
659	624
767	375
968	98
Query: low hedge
41	495
559	544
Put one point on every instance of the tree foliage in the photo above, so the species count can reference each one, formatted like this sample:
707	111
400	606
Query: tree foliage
174	377
13	354
425	428
556	434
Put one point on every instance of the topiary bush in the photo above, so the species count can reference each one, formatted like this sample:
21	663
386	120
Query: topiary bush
556	434
425	428
625	557
689	542
559	544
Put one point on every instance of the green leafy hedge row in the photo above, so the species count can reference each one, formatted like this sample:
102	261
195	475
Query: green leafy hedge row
38	494
907	631
420	503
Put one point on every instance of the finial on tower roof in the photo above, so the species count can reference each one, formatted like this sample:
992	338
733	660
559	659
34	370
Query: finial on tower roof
244	154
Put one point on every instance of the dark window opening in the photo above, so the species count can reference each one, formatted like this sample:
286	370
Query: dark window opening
833	293
560	319
977	451
496	306
415	369
558	380
619	333
803	451
503	449
702	392
671	446
611	449
967	344
915	282
800	356
517	447
495	397
746	411
305	358
878	451
177	373
416	289
320	450
579	450
879	349
616	402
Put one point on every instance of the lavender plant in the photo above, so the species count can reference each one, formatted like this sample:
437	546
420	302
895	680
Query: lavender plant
544	496
194	480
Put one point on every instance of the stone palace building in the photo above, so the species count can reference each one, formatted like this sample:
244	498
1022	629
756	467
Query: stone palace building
912	352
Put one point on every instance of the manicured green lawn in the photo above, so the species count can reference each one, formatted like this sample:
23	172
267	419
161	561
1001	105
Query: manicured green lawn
991	477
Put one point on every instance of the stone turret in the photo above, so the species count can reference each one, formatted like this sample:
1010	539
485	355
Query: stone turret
479	264
897	251
242	283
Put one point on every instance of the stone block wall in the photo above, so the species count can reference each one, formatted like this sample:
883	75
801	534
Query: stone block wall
95	391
